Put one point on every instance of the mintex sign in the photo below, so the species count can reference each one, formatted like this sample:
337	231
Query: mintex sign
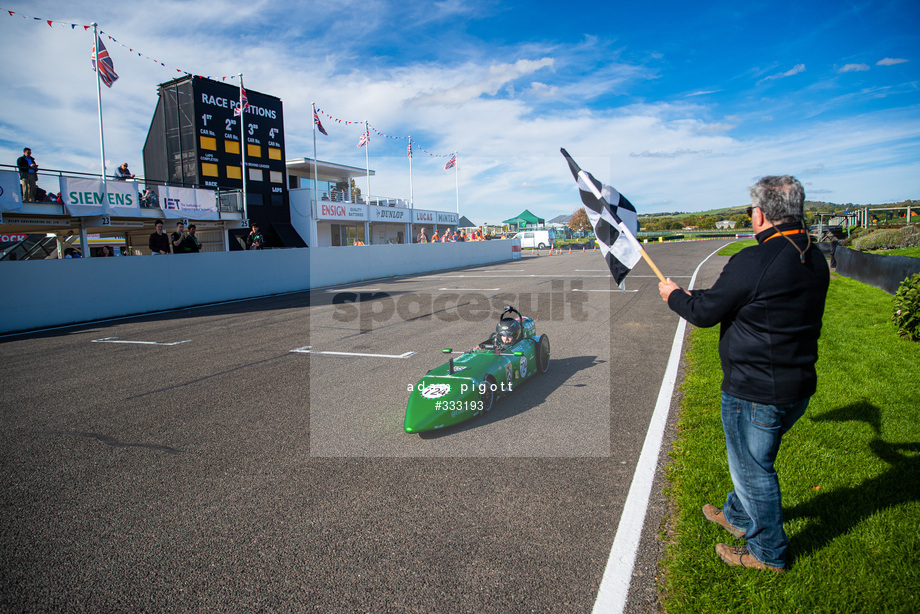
450	219
341	211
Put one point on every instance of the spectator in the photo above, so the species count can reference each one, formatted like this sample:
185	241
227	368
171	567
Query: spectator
255	240
72	253
123	173
177	239
422	237
435	238
462	236
159	242
192	244
105	252
769	300
325	196
149	198
28	174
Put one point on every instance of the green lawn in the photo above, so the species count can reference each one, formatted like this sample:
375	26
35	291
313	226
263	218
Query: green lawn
849	471
914	252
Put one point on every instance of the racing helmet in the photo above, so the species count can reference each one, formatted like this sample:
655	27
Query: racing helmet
509	328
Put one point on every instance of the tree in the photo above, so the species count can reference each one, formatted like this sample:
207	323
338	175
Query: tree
355	192
579	220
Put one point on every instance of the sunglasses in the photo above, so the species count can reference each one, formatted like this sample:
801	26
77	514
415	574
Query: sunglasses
749	211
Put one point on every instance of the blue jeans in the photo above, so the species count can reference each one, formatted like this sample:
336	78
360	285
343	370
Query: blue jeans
753	432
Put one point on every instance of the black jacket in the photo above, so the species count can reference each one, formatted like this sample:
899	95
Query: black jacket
25	168
769	305
159	242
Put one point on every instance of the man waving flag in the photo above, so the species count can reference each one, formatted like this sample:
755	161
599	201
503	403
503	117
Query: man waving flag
614	220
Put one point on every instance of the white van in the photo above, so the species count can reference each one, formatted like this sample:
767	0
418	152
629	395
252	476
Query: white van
540	239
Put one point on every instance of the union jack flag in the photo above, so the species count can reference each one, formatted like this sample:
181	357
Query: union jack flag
244	104
319	125
452	162
365	138
106	66
409	150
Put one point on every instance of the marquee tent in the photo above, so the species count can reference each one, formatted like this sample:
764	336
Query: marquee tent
526	218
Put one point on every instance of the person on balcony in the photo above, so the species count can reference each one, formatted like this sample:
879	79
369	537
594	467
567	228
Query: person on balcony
123	173
28	174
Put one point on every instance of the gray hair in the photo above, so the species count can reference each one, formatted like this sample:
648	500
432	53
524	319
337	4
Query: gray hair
780	198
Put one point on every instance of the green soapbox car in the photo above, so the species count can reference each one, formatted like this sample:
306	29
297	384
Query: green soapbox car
470	384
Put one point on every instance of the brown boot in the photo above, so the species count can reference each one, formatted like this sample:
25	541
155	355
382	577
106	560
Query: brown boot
739	555
714	514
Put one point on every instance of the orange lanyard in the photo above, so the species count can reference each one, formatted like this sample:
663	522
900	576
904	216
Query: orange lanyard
797	231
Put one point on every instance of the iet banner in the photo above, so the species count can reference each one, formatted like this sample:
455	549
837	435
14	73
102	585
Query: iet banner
84	197
192	203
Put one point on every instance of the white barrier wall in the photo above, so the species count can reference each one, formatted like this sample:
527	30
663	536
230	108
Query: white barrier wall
43	293
330	266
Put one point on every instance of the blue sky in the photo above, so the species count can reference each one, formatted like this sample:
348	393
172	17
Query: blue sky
680	107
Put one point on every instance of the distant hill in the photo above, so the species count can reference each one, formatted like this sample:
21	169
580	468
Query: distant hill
810	206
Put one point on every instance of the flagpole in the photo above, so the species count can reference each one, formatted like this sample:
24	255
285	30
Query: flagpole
243	151
367	164
314	227
411	200
457	177
99	99
586	179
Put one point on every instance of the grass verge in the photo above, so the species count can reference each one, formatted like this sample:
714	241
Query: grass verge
913	252
849	472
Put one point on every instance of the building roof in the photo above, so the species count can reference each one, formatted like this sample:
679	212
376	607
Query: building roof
325	171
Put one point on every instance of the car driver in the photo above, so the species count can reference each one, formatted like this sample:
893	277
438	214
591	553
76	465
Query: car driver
507	333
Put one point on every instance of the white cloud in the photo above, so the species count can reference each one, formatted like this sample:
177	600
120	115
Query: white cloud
890	61
798	68
475	82
855	68
507	111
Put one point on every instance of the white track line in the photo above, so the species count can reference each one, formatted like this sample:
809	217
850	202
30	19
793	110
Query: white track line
353	290
117	340
607	274
470	289
614	590
306	350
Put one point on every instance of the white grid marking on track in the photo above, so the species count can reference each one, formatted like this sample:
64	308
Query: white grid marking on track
117	340
307	350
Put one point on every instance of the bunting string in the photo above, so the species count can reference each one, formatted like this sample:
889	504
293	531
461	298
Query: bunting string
381	134
73	26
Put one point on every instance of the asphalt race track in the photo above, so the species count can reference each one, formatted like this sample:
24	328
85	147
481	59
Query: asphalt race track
250	456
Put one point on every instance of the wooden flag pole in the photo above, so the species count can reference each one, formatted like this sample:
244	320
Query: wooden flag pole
651	264
622	227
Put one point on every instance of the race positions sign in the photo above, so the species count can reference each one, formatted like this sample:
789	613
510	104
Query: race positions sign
218	135
196	141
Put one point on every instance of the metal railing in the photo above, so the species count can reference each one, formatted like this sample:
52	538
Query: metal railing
48	182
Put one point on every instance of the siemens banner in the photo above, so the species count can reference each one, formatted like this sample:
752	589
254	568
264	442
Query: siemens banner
83	197
10	191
